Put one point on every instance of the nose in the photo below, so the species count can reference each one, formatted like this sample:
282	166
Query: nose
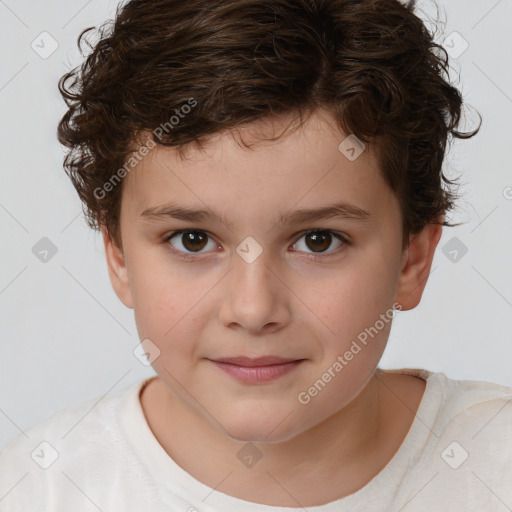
254	298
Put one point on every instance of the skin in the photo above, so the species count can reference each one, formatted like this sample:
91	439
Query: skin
217	304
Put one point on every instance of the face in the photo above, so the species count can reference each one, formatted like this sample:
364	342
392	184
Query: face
256	276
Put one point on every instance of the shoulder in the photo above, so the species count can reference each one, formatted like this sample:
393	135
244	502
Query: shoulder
450	397
461	445
475	402
474	414
479	413
69	445
460	405
471	437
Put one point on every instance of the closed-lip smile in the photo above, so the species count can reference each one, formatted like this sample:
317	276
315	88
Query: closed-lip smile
256	370
252	362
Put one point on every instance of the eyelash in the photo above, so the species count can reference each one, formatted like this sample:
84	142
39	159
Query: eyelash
310	256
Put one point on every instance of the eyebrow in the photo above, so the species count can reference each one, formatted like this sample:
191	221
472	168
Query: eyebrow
338	210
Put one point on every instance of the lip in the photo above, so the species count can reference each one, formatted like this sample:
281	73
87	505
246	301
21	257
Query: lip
256	361
263	369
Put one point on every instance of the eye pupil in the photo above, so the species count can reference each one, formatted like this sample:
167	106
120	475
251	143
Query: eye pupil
319	238
191	240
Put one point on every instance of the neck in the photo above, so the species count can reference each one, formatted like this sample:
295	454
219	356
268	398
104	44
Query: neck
340	452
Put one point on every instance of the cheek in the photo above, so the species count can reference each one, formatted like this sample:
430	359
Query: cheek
160	310
353	299
168	311
353	314
160	291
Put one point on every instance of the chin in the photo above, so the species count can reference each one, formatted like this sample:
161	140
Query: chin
254	431
254	436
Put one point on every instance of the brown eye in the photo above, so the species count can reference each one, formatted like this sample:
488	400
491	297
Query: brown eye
191	241
319	241
194	240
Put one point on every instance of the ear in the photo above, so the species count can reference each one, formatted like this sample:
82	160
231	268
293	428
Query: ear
117	269
416	262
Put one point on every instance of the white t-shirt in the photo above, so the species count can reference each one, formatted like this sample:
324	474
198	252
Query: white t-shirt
102	456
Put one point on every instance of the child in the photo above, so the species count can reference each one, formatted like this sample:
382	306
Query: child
267	177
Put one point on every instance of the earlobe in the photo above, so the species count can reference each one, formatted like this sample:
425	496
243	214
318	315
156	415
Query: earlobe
416	264
117	270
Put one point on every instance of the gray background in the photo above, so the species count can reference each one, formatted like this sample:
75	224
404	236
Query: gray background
66	338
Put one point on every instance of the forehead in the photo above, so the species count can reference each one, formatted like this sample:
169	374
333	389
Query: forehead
312	163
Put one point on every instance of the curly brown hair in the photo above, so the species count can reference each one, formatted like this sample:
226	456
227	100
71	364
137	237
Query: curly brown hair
187	70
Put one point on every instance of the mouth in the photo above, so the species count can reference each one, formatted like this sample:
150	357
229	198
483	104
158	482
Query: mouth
256	370
253	362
